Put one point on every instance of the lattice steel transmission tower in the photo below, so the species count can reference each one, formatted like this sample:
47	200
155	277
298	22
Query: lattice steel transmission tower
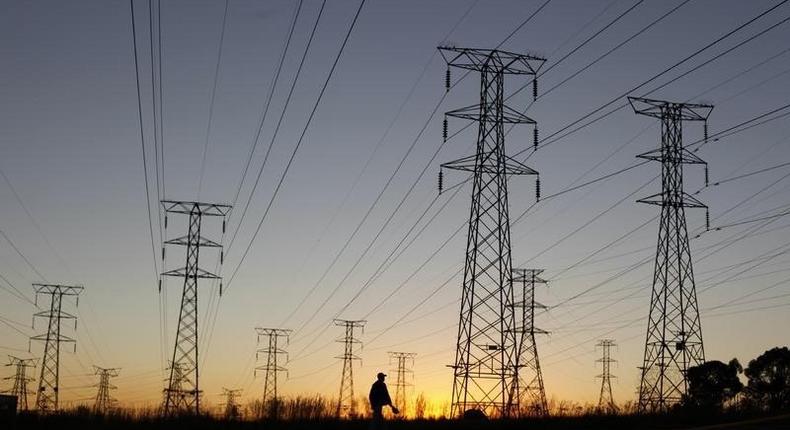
231	404
346	404
674	334
19	389
486	348
273	351
104	402
48	385
606	400
528	393
402	373
182	394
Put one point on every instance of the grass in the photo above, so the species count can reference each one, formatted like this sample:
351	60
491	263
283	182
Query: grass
82	419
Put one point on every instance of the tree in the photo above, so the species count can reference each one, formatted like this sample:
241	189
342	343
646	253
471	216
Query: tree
769	379
712	383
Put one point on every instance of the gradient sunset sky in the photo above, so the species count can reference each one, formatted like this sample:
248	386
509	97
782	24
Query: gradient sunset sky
74	199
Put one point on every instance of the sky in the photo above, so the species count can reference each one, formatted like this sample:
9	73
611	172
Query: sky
74	185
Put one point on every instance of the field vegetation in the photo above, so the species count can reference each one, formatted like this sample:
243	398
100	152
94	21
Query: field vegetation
716	395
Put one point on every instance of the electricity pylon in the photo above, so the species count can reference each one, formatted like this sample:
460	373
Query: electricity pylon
605	400
19	389
182	394
103	401
486	347
674	334
528	394
273	351
231	403
48	385
346	404
402	373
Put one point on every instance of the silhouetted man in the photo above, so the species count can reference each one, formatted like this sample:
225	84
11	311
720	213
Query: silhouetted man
380	397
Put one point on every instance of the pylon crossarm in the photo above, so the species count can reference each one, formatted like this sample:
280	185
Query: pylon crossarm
478	59
52	338
182	271
680	111
187	207
685	157
201	241
469	164
509	115
65	290
670	199
47	314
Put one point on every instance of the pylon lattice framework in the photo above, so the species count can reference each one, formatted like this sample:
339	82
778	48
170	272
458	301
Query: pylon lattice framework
49	382
273	351
402	373
182	394
104	402
231	402
19	388
346	404
605	399
528	393
486	347
674	335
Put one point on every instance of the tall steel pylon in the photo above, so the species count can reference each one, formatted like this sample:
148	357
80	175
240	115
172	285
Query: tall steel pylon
402	373
528	393
104	402
605	400
346	404
231	403
273	351
182	394
49	383
19	389
486	347
674	334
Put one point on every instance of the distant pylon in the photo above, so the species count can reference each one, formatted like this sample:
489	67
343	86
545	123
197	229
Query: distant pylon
273	351
529	395
103	401
19	389
49	383
402	374
231	403
346	404
606	402
486	346
674	333
182	394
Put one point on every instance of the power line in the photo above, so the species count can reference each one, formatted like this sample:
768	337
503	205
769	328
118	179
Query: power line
350	191
299	141
161	301
640	33
213	94
277	127
435	291
142	139
29	264
34	222
400	204
266	105
546	141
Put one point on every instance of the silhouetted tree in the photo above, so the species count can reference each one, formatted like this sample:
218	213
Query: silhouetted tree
769	380
712	383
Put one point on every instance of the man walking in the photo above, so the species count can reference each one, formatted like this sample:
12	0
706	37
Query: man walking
380	397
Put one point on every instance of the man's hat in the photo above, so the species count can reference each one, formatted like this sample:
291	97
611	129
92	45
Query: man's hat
380	375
